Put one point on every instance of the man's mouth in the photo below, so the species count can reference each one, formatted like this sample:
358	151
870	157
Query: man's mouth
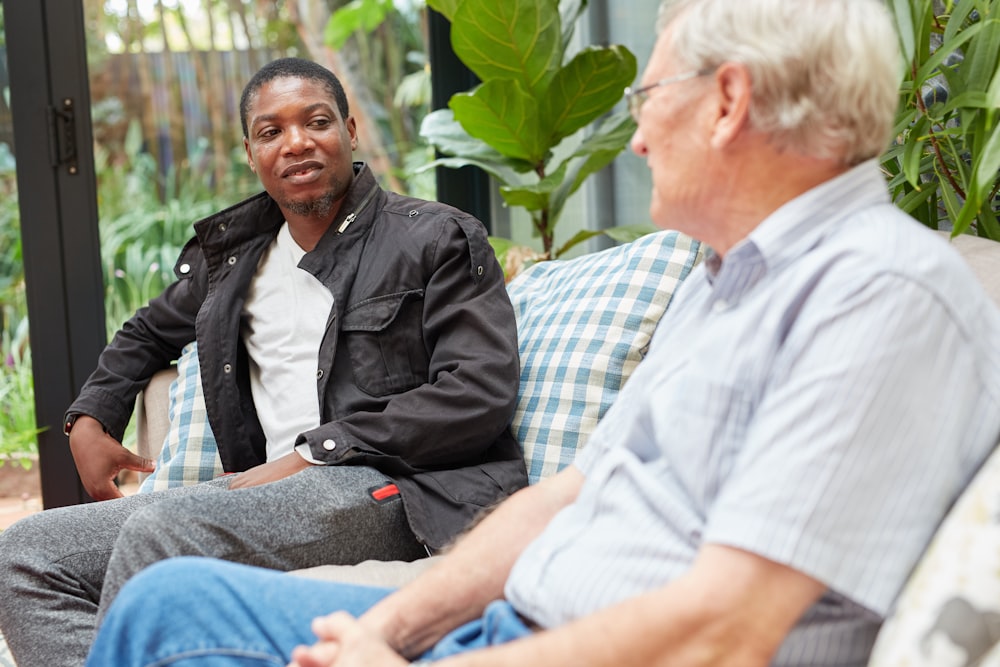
301	169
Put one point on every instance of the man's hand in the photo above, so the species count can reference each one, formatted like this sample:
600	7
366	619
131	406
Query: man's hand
344	642
272	471
99	458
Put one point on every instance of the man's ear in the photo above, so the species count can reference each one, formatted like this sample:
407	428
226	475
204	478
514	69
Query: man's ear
246	147
734	89
352	129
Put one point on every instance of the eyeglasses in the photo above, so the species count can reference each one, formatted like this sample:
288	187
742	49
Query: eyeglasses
637	97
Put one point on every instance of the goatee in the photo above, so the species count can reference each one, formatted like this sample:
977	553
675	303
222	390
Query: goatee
316	208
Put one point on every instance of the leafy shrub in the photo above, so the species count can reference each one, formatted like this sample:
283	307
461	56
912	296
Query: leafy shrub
944	168
145	220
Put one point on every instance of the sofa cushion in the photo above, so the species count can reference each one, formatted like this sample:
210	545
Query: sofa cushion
948	614
583	325
189	454
982	256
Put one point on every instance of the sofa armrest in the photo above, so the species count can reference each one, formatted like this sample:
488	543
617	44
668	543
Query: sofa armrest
152	419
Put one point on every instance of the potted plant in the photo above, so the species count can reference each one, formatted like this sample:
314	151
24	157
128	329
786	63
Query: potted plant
533	96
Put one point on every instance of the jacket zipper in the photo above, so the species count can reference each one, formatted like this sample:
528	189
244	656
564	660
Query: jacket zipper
351	216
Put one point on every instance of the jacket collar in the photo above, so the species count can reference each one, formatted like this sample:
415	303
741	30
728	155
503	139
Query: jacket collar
260	215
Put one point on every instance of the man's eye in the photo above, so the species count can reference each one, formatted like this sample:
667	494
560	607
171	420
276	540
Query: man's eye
319	122
268	133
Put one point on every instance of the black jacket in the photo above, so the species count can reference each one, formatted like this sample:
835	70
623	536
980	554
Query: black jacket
418	370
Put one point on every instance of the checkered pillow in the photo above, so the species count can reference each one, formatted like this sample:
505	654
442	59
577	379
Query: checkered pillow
189	453
583	325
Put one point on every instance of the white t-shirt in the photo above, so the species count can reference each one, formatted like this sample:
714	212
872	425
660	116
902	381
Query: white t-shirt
284	320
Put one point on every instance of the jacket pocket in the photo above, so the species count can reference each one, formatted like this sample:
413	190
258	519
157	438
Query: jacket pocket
384	337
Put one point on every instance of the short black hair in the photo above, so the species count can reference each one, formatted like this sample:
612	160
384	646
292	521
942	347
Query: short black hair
296	68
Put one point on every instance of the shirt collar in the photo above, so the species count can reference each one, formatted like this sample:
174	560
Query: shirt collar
793	228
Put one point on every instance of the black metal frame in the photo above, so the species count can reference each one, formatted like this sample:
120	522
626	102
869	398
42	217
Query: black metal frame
467	188
57	193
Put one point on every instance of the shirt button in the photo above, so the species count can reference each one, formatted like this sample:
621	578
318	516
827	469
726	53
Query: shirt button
720	306
227	368
329	445
185	268
222	226
319	374
232	260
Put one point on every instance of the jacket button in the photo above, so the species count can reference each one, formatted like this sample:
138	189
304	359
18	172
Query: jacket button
228	368
319	374
222	226
479	270
413	213
232	260
185	268
329	445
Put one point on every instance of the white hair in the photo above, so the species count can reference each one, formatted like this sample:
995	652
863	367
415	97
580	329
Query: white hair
825	73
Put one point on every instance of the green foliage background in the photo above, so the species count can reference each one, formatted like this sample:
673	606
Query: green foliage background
944	168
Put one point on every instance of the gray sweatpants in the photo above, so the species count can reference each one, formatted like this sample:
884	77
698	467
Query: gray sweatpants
61	568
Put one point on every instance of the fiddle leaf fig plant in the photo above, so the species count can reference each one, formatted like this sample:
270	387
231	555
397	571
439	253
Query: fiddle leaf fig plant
533	96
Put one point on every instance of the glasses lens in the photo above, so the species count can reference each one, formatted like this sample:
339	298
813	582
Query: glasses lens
635	100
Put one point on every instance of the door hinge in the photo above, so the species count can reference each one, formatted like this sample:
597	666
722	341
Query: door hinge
62	136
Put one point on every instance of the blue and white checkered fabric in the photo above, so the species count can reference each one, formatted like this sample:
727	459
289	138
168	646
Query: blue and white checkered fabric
583	326
190	454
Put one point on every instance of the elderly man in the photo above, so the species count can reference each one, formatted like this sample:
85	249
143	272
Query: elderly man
820	391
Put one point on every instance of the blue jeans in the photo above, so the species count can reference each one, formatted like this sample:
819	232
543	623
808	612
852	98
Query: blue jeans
198	611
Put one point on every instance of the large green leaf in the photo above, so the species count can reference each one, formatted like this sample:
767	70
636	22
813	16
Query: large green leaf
512	39
501	113
499	170
445	8
442	131
534	197
530	197
595	153
588	86
621	234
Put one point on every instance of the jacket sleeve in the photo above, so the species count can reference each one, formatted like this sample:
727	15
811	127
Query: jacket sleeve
468	400
148	342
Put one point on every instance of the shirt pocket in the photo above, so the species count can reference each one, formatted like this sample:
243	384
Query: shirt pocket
384	337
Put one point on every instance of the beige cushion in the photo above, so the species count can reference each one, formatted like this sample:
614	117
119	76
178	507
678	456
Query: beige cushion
983	255
151	420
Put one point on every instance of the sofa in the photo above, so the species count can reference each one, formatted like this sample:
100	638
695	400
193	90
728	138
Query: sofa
583	325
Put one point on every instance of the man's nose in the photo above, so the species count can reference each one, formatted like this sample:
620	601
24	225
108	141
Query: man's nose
297	139
638	144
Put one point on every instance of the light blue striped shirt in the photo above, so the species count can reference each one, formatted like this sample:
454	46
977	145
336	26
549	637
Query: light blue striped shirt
819	398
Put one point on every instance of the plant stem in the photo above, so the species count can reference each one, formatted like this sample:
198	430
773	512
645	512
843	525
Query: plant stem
932	137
